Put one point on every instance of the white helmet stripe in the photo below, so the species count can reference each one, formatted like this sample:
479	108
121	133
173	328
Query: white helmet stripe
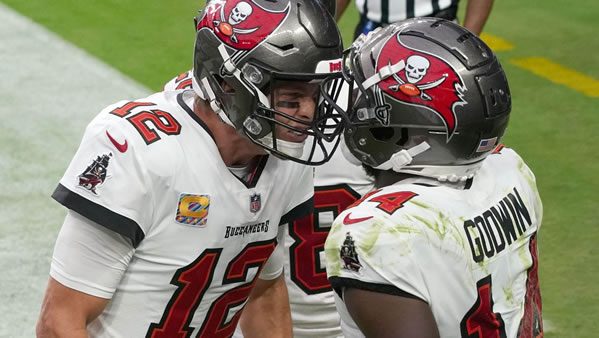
383	73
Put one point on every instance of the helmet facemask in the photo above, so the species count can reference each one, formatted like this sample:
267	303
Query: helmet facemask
297	122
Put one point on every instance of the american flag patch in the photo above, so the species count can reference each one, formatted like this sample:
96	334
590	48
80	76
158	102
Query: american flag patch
486	144
193	210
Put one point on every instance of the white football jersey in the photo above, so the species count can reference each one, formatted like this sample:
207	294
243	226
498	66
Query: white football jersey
337	184
150	171
469	252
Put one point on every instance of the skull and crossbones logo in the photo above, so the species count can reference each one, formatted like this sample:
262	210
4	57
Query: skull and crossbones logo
238	14
415	70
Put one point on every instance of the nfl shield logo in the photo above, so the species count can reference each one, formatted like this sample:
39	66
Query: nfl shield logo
255	203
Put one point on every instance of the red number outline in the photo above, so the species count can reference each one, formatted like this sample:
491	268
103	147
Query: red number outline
214	323
183	81
194	280
389	203
531	325
128	107
178	313
309	237
480	321
160	119
393	201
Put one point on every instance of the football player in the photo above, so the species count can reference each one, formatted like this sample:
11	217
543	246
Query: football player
446	246
175	200
337	184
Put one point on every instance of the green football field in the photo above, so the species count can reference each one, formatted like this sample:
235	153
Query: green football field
549	50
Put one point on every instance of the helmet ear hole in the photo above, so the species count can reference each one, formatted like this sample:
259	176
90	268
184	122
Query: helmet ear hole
382	134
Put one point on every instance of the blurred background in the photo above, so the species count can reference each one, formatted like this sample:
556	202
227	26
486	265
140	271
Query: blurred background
63	61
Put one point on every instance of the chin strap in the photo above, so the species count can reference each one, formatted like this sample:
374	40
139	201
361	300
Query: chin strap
403	157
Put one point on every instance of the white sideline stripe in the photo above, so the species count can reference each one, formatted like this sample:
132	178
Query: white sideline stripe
49	91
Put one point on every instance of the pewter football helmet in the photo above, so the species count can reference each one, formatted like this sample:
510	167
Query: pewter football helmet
430	98
248	46
330	5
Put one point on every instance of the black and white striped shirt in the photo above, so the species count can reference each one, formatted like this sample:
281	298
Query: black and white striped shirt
387	11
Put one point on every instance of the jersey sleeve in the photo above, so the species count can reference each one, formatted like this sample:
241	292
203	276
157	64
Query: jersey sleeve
369	252
107	181
88	257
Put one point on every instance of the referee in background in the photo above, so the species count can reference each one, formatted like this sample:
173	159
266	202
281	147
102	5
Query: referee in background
376	13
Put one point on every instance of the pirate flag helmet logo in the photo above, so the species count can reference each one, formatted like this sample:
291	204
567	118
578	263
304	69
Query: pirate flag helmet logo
242	24
248	49
422	79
